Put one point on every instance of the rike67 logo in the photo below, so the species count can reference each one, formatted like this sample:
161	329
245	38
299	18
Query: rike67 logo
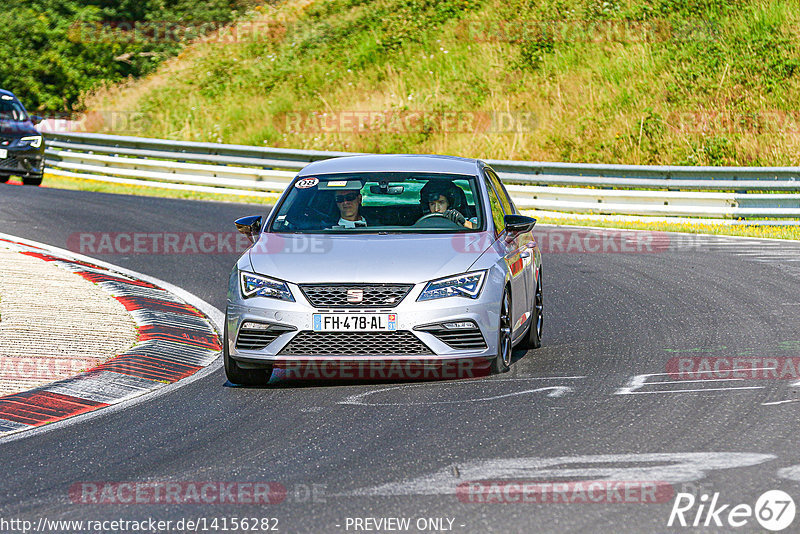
774	511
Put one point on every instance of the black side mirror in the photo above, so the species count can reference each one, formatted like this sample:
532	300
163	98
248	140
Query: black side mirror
518	224
249	226
36	119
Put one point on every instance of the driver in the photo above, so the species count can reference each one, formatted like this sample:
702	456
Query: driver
439	196
349	203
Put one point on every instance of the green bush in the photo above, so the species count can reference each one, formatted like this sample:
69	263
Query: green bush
54	50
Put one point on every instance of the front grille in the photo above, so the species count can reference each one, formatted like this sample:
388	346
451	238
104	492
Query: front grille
457	338
10	162
258	338
374	295
399	343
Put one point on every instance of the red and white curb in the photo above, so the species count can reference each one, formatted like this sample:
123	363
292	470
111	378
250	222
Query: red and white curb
175	341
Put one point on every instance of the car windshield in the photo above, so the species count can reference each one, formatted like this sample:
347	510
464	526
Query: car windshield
11	110
381	202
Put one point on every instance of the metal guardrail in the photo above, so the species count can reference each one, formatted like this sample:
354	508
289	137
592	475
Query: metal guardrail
716	192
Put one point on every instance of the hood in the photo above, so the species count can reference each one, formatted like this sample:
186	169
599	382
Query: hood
308	258
17	128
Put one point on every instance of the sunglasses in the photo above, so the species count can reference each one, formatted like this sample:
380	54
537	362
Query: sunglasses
349	197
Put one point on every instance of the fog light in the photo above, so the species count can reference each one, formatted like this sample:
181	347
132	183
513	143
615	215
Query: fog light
459	325
255	326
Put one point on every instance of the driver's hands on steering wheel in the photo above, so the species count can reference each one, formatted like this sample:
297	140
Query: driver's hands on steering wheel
455	216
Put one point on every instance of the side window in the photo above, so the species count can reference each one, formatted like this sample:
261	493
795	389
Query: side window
497	210
505	198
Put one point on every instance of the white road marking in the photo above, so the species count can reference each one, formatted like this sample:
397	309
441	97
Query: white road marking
775	403
700	380
554	392
668	468
791	473
689	390
757	250
640	381
543	378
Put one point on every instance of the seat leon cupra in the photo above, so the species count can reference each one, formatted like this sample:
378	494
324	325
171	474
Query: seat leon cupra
385	266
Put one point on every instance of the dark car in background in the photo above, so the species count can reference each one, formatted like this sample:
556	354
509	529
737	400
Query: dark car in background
21	144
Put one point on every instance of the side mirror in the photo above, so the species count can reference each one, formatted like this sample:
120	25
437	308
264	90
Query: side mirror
36	119
518	224
249	226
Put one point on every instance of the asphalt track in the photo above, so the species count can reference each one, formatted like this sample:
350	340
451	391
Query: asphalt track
400	450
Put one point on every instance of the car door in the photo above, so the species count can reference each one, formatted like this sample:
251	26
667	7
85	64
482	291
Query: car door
526	241
514	258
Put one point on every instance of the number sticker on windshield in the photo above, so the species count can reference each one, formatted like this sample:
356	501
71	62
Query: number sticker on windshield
306	183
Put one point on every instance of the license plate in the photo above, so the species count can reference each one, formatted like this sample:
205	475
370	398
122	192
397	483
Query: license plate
355	322
3	153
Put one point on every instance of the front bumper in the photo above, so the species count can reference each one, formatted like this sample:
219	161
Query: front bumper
25	161
293	319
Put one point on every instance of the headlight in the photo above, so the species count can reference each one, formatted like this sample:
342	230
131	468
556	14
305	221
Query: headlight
32	140
464	285
253	285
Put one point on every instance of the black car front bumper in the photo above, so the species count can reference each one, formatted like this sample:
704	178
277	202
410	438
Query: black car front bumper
25	162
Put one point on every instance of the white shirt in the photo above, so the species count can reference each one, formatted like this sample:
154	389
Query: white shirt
344	223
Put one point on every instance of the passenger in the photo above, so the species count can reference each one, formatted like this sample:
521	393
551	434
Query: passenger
349	203
440	197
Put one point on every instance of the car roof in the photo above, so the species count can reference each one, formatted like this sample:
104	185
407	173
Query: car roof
6	92
393	162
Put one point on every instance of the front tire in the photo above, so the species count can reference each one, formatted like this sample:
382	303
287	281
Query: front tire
502	361
237	375
4	179
36	179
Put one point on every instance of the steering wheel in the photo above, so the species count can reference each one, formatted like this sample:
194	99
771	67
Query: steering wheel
428	221
309	218
431	215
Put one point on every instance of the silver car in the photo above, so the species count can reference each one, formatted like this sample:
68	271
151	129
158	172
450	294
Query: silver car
385	266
